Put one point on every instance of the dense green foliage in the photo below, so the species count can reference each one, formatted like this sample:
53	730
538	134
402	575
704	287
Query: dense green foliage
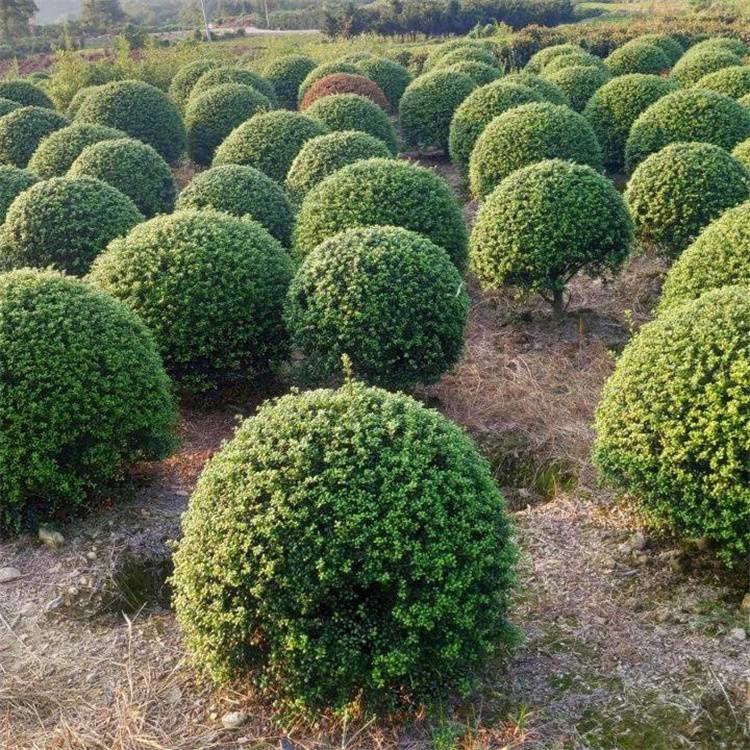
677	191
83	391
427	107
344	83
269	141
547	90
674	418
286	74
25	93
185	79
462	55
211	289
22	130
242	191
383	192
527	134
735	46
480	73
539	60
389	75
80	97
64	222
375	512
6	105
579	83
463	47
733	81
695	64
13	181
354	112
325	154
638	57
140	110
385	296
742	152
545	223
321	71
614	108
228	74
577	60
478	110
211	116
682	116
667	44
134	168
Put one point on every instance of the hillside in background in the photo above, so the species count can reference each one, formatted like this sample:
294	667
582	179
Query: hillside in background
51	11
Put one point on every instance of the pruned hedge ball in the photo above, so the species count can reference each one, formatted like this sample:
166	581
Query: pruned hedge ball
269	141
140	110
677	191
13	181
427	107
480	73
22	130
354	112
389	75
576	60
539	60
88	393
465	45
185	79
579	83
78	99
325	154
667	44
376	512
614	108
527	134
25	93
57	152
638	57
735	46
134	168
673	421
386	297
326	69
733	81
344	83
64	222
683	116
286	74
211	116
244	192
545	223
228	74
478	110
210	287
742	152
695	64
547	90
465	54
6	105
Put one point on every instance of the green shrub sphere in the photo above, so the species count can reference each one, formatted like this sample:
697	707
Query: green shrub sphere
546	90
244	192
211	116
13	181
22	130
463	55
211	289
578	60
546	222
735	46
269	141
88	393
480	73
427	107
78	99
684	116
6	105
733	81
614	108
286	74
579	83
637	57
527	134
674	417
376	512
228	74
140	110
383	192
25	93
677	191
463	45
695	64
386	297
539	60
667	44
185	79
325	154
389	75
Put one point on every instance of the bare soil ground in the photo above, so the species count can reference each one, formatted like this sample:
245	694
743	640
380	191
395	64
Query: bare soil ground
627	636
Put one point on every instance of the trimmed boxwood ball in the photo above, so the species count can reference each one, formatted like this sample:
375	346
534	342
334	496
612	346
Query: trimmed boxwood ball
667	44
325	154
673	421
285	74
389	75
386	297
561	62
344	83
735	46
57	152
354	112
269	141
6	105
13	181
539	60
185	79
742	152
383	192
64	222
223	75
733	81
140	110
546	90
25	93
427	107
547	222
637	57
134	168
211	116
382	518
211	289
241	191
677	191
463	44
693	65
466	54
527	134
689	115
22	130
614	108
478	110
579	83
78	99
718	257
326	69
480	73
84	392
